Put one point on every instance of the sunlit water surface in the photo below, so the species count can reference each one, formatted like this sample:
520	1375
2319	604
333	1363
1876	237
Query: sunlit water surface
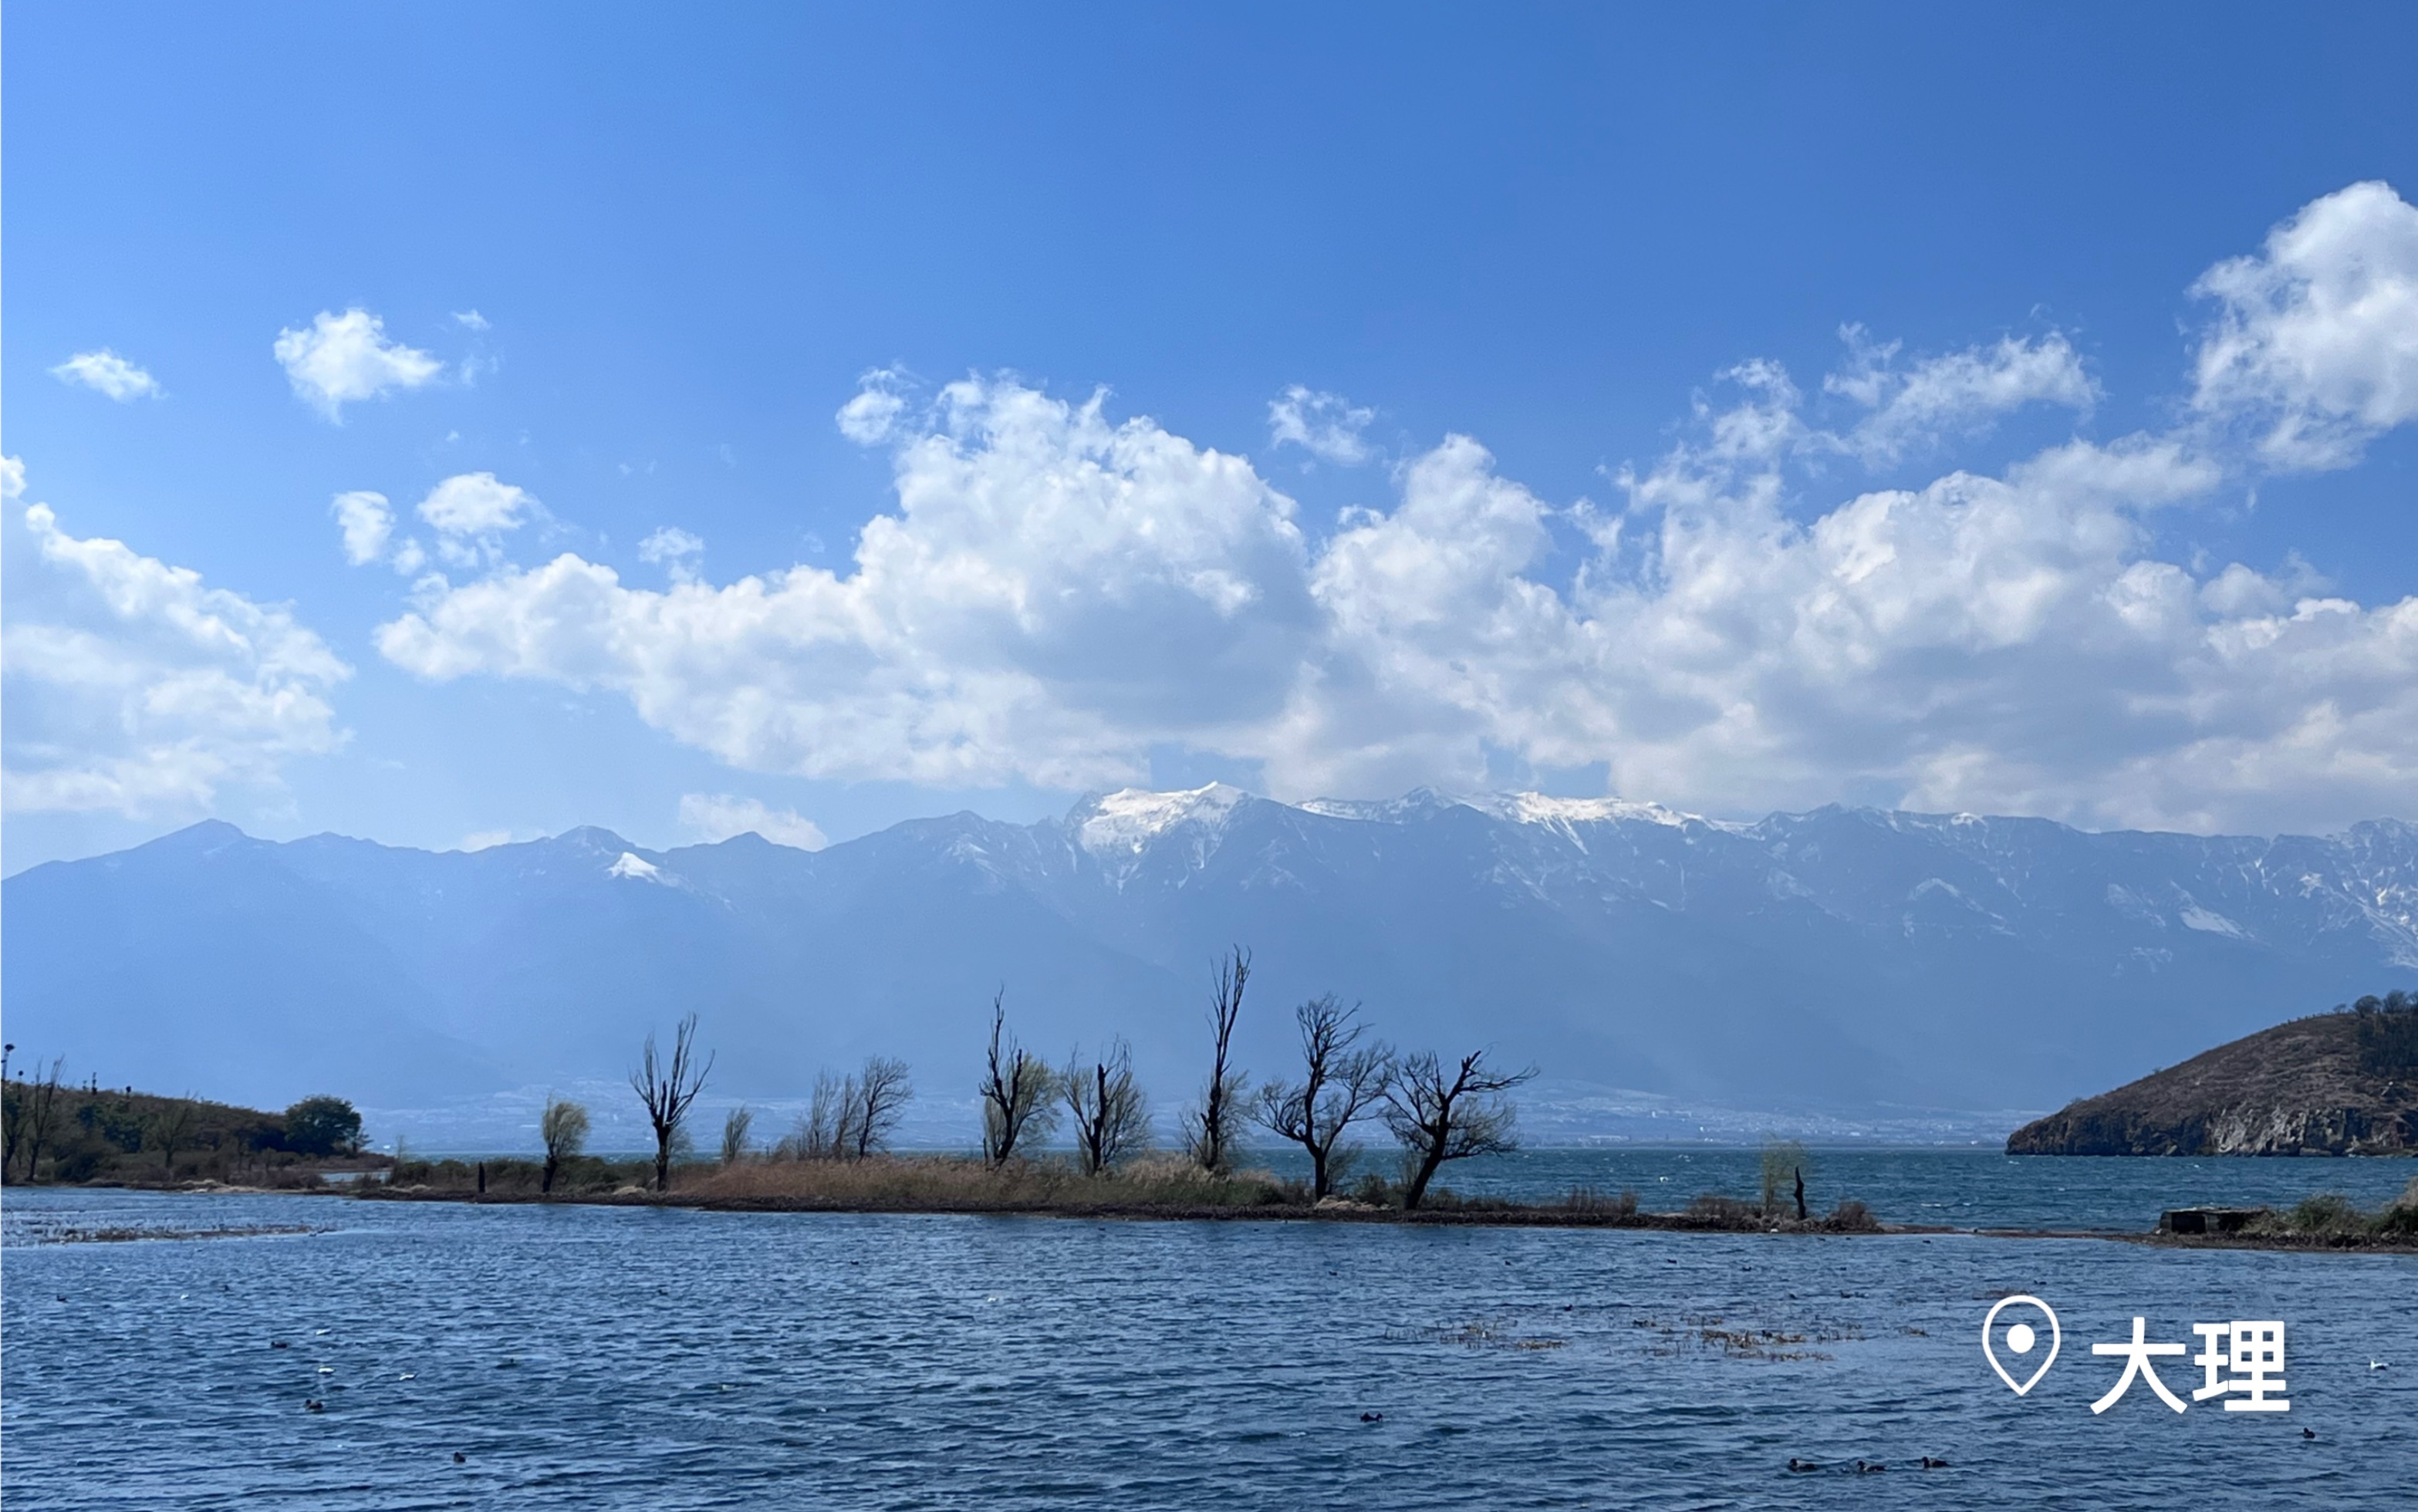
631	1358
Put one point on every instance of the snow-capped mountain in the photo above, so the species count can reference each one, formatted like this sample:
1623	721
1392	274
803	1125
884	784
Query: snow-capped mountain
1846	960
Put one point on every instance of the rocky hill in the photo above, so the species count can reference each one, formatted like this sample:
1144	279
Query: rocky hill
2337	1084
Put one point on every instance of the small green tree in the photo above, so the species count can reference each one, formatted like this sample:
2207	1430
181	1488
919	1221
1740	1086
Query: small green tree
563	1126
323	1126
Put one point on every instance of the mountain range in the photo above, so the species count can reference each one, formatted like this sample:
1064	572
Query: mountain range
1845	963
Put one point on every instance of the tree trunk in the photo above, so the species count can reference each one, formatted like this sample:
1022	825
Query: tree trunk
1800	1193
663	1162
1430	1158
1317	1174
545	1183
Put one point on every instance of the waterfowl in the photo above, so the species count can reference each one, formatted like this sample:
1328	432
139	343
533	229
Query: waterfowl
460	1458
312	1404
1868	1467
1795	1463
1929	1464
2308	1433
279	1344
1372	1417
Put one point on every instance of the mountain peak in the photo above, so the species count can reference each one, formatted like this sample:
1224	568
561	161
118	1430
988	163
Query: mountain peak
1125	822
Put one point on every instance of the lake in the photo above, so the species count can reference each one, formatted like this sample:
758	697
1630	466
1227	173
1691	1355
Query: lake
636	1358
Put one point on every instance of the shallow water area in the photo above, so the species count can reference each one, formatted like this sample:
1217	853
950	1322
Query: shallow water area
628	1358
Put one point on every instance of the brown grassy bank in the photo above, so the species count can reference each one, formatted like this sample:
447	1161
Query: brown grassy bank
1143	1190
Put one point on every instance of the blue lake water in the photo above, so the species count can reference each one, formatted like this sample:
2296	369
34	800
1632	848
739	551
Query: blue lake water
612	1358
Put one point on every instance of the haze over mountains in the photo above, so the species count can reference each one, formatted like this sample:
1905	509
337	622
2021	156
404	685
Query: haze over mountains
1861	964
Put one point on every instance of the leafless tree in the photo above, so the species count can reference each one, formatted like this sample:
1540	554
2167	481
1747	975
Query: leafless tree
828	1130
1016	1091
1209	1130
1111	1115
1440	1116
39	1116
563	1126
881	1097
165	1132
668	1090
735	1126
1343	1082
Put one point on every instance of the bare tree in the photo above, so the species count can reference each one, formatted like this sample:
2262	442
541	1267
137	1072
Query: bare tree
881	1097
165	1132
668	1090
563	1126
1111	1115
1440	1116
735	1125
39	1119
828	1130
1209	1129
1016	1091
1343	1082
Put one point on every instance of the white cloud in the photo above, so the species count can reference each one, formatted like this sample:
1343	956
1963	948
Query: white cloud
478	840
880	400
472	511
105	371
1058	595
1942	397
471	320
134	687
1325	425
717	816
2316	344
365	522
675	549
340	359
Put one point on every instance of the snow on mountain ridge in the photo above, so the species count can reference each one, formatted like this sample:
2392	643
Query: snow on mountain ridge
1122	824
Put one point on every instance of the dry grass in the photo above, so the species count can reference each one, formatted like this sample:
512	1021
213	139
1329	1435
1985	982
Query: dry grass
963	1184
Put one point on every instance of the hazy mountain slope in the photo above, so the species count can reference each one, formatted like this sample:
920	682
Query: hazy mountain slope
1849	959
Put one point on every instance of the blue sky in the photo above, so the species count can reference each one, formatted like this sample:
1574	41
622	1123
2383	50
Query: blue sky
2050	512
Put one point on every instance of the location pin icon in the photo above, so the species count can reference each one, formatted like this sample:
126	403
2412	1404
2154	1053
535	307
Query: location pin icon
2022	1339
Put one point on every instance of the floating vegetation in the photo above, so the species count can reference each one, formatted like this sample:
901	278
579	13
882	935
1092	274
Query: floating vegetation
78	1234
1480	1334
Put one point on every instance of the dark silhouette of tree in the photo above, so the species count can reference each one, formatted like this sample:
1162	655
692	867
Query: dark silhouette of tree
563	1126
323	1126
42	1112
167	1130
1209	1129
1016	1091
1343	1082
883	1092
668	1090
1441	1115
1111	1115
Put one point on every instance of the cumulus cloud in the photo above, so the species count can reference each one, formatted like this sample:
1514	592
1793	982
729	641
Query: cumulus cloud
1325	425
1942	397
366	523
104	372
2316	340
880	399
135	688
1057	594
471	320
340	359
472	513
717	816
